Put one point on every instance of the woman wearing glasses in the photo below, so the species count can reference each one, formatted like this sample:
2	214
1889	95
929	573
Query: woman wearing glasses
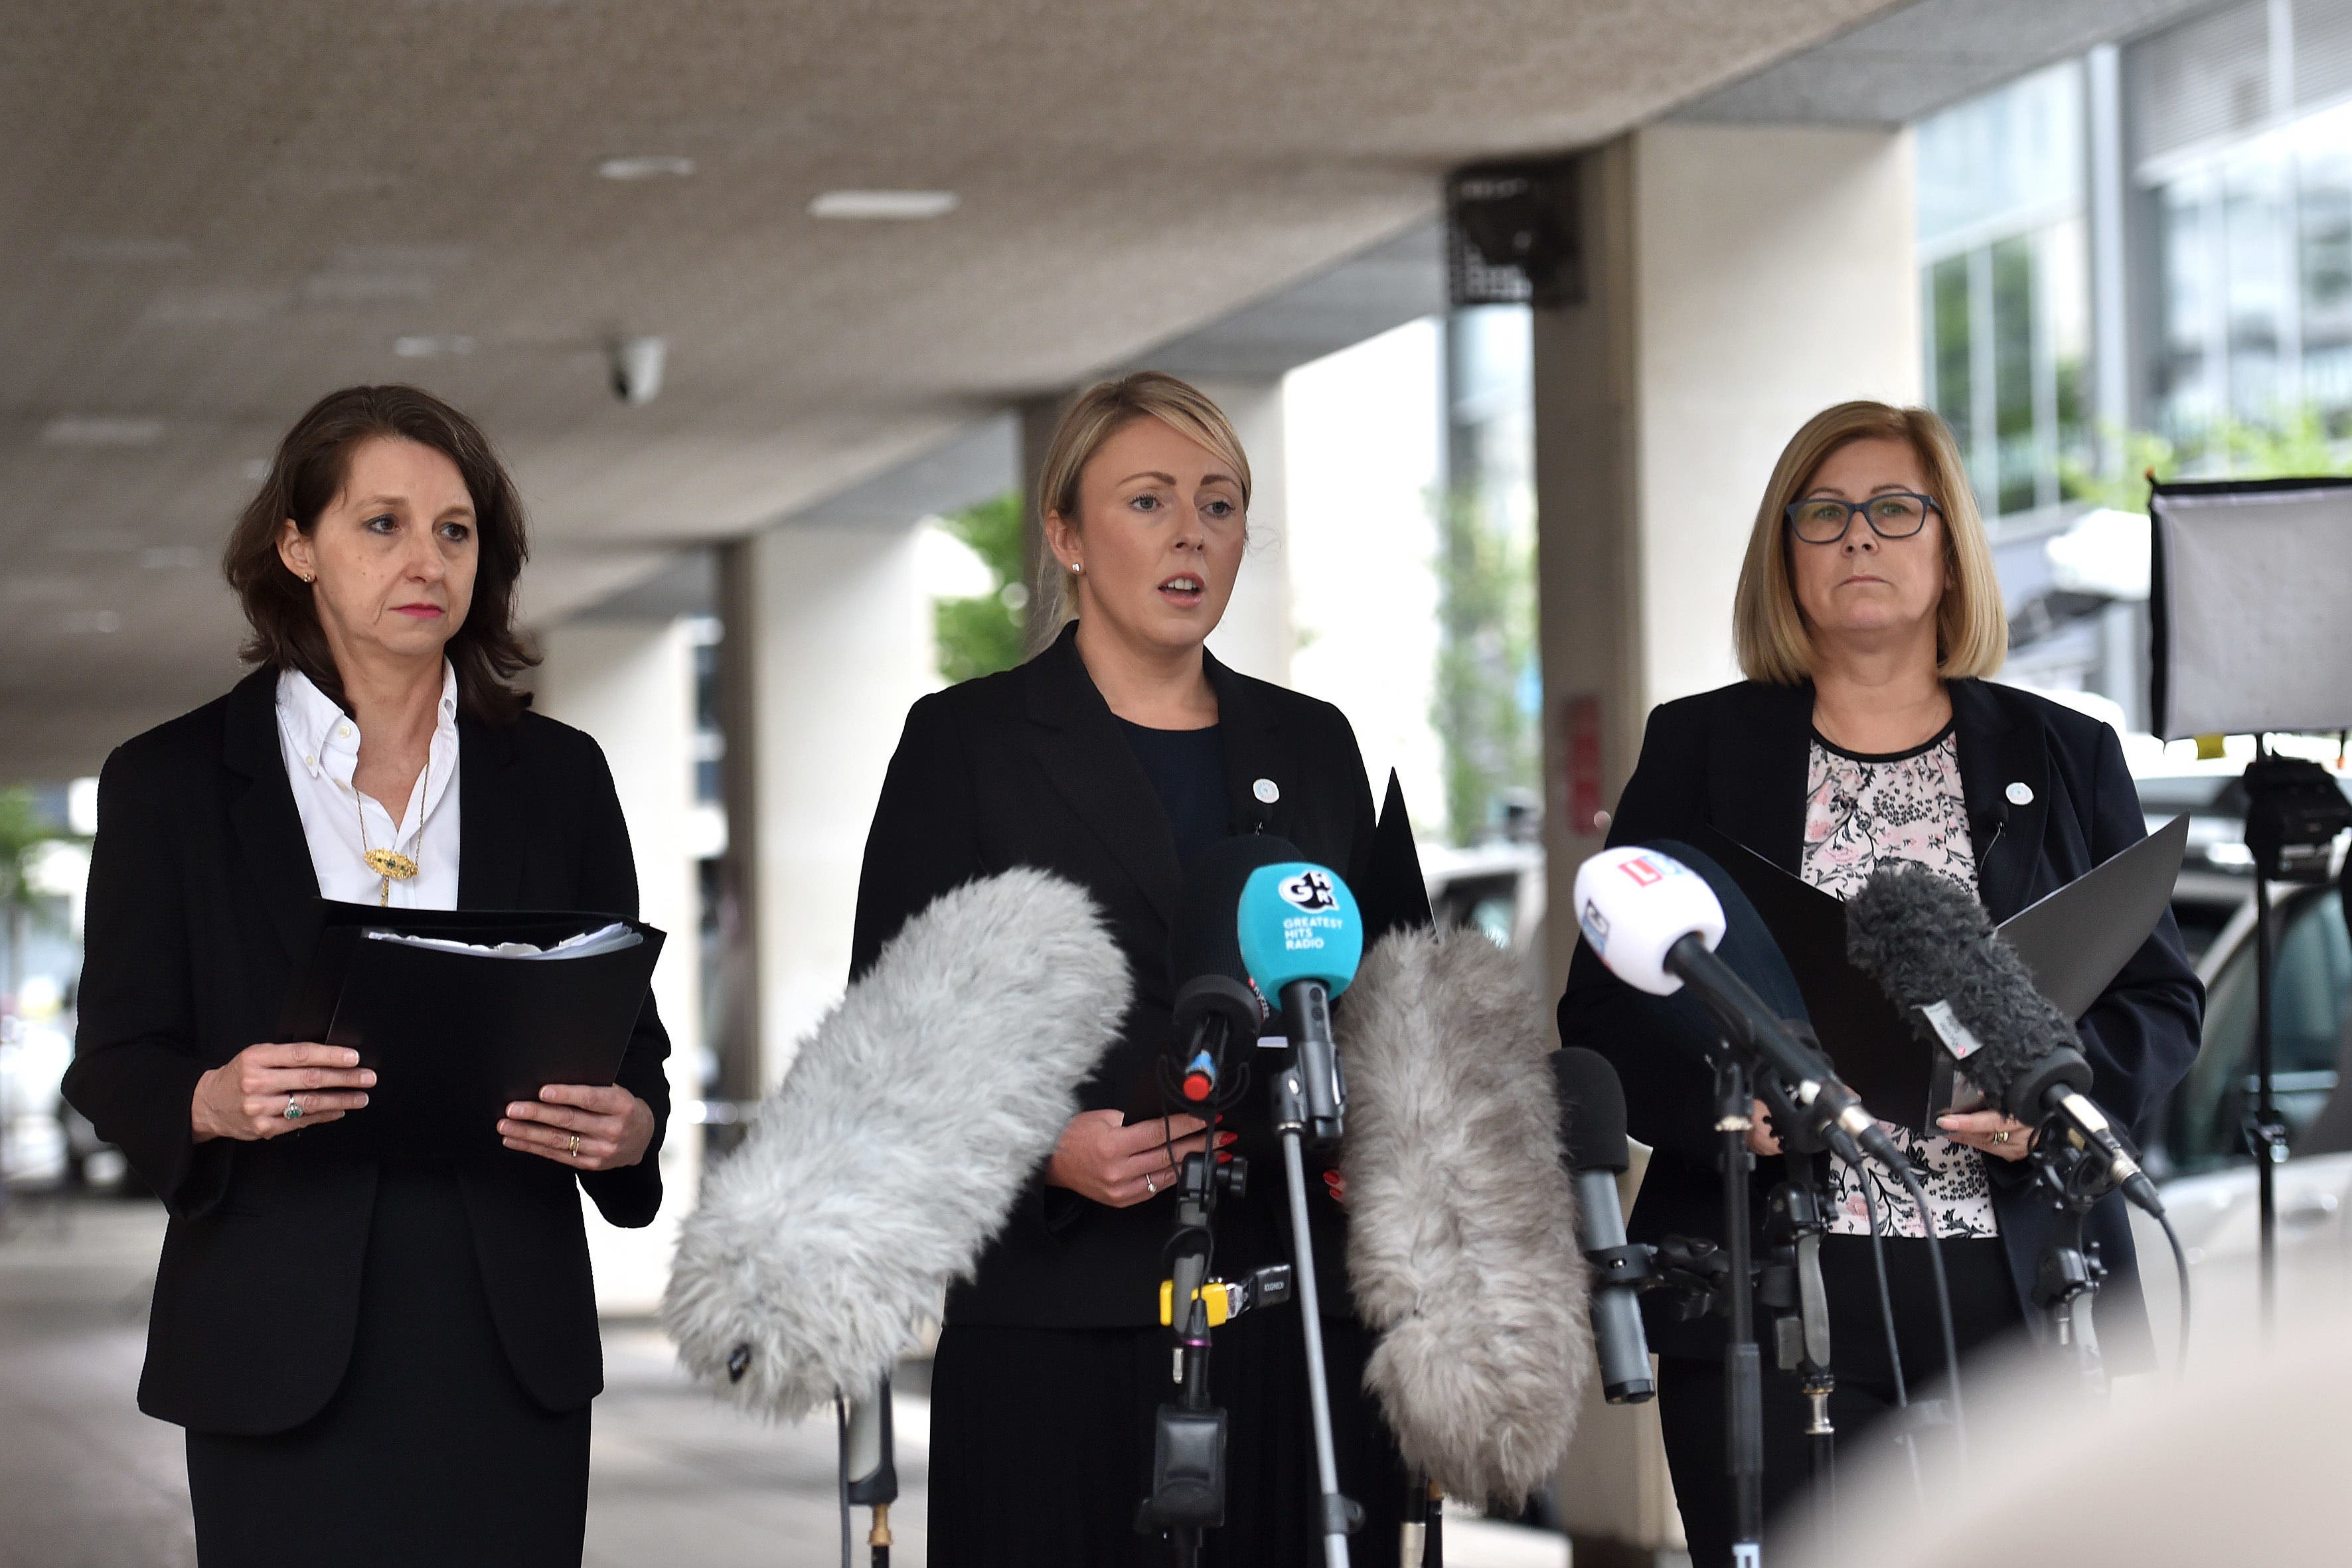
1867	618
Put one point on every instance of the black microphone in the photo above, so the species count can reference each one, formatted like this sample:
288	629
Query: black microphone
1592	1117
1215	1004
1930	944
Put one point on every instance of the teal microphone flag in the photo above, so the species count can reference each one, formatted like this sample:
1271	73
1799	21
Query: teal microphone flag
1298	922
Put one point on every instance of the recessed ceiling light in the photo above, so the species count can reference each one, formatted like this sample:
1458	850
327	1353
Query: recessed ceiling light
884	205
432	345
650	166
100	431
83	623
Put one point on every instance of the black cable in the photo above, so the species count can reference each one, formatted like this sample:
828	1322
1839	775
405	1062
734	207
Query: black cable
1886	1318
1885	1293
1910	1181
2180	1266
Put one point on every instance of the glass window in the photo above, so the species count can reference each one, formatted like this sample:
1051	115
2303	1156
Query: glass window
1947	291
2256	275
2190	298
2006	283
2012	375
2324	200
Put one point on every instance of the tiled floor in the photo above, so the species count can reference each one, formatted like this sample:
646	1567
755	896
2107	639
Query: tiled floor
679	1481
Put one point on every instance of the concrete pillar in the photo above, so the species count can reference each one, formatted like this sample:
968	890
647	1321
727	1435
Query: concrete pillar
1739	280
828	641
1255	635
631	685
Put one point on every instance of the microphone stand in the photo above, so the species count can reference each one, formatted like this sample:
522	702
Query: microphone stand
2066	1281
1790	1284
869	1469
1188	1458
1742	1370
2293	812
1338	1515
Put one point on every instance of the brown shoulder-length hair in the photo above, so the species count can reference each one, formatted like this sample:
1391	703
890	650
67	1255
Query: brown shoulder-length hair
313	463
1769	632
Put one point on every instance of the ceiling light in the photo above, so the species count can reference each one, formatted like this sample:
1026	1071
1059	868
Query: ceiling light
170	557
636	365
100	431
651	166
83	623
432	345
884	205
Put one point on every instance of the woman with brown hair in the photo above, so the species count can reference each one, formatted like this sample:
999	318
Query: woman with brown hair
1117	752
1867	733
378	1360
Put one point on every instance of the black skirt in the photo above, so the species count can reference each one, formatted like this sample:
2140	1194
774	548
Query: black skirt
1041	1445
430	1451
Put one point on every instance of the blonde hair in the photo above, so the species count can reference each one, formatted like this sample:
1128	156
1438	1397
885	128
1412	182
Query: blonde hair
1768	627
1098	414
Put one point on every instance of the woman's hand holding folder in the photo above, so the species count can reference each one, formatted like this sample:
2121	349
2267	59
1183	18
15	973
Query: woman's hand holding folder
264	1091
585	1126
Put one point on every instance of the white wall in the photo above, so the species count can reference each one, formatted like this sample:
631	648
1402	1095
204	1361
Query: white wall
631	686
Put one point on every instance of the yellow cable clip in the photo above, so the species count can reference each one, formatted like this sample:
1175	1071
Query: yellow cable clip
1215	1293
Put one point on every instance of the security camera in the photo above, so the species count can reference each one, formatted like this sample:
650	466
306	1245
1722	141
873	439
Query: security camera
636	366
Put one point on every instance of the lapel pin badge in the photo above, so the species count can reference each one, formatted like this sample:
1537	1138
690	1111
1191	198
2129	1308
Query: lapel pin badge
2020	794
1266	790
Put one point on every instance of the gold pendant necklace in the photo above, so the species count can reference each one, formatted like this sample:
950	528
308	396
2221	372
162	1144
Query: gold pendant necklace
389	864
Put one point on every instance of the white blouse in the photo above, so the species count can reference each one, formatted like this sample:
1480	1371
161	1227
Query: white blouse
320	743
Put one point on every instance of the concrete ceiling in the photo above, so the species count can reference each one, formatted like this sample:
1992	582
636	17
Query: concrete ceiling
210	213
1908	63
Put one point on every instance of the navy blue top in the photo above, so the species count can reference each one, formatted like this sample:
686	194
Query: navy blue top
1187	769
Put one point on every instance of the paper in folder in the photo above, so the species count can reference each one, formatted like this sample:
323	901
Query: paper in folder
2073	942
462	1012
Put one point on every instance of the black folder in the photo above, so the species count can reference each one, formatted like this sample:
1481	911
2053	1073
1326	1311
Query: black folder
454	1038
2073	942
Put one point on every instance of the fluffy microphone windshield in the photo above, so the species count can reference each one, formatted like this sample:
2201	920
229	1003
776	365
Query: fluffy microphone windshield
907	1128
1925	938
1461	1230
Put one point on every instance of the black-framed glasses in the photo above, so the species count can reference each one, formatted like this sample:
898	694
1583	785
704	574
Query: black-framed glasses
1892	514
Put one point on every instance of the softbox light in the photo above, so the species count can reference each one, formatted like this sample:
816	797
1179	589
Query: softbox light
2251	605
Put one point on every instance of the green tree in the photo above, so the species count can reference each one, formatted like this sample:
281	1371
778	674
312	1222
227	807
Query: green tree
983	635
1485	658
23	832
2297	443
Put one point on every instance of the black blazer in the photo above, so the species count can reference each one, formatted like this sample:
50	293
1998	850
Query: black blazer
200	896
1735	758
1028	768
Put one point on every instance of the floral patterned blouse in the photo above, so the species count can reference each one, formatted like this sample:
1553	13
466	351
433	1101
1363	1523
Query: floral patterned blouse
1862	812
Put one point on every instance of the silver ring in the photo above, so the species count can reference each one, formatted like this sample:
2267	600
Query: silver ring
293	1109
1149	1185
